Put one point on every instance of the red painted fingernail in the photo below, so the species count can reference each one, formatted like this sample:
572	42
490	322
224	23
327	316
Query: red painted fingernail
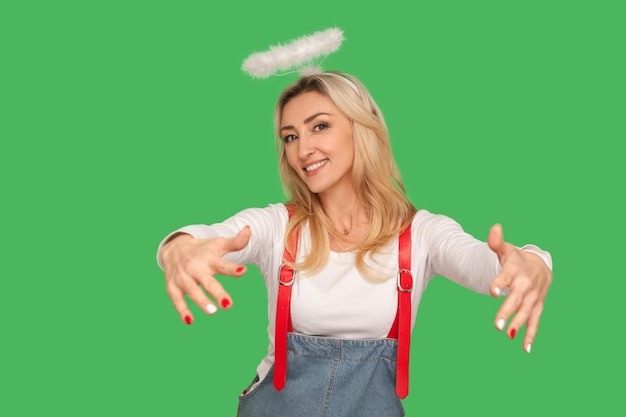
240	270
512	333
188	319
225	303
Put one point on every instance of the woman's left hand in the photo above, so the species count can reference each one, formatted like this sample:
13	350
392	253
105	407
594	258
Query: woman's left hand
528	278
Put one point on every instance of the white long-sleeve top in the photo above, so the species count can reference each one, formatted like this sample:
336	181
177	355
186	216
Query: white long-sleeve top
338	301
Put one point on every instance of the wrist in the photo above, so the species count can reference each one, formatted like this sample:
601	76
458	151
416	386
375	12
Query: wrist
170	243
541	254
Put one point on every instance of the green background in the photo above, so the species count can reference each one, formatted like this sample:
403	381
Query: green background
121	121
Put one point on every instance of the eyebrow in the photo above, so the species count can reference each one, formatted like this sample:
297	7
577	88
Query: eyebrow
307	120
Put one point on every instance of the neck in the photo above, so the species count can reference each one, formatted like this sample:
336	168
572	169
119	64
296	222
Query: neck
344	211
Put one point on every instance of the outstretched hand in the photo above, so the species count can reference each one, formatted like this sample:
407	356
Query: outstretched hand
528	278
190	267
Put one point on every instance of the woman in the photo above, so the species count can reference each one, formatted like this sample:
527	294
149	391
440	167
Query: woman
348	233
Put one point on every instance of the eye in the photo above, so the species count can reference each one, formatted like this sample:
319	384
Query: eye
320	126
289	138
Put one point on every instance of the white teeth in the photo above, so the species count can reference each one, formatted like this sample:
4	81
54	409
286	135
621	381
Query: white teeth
316	165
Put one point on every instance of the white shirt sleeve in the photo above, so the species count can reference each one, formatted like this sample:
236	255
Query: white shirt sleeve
547	258
458	256
453	253
266	224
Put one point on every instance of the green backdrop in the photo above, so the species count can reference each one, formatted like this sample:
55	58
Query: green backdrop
121	121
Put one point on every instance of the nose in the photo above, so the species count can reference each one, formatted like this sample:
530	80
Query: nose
306	146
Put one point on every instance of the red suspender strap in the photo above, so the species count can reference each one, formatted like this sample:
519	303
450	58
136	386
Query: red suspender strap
283	311
405	287
401	327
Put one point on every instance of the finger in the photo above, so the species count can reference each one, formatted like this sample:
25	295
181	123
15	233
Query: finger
201	300
223	267
501	282
499	285
504	279
512	302
522	314
178	299
236	243
532	326
216	290
495	241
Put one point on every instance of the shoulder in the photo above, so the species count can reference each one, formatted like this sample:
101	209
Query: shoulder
273	214
265	222
424	219
427	226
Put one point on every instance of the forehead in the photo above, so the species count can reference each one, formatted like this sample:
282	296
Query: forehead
306	104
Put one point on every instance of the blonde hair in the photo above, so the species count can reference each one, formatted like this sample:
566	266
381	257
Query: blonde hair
375	175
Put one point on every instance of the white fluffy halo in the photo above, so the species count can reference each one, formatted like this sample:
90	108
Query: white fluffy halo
299	53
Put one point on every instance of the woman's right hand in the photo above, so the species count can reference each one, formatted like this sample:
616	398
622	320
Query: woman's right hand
190	267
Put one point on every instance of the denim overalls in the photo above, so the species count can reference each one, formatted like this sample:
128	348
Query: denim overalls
326	377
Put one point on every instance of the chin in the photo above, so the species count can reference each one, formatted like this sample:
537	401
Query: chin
316	188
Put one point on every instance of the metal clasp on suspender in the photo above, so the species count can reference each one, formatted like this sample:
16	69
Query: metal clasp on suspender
289	273
402	288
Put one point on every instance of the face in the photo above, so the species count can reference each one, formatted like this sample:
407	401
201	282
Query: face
318	142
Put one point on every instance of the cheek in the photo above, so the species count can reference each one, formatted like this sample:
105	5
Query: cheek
347	142
348	146
291	153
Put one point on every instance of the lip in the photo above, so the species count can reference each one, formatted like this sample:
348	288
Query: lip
316	170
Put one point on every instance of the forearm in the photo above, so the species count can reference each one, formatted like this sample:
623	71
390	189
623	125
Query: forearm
267	226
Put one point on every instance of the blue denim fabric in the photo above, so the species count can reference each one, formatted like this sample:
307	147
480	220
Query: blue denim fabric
330	378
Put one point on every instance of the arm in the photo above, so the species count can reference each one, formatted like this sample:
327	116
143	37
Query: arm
193	255
492	268
190	266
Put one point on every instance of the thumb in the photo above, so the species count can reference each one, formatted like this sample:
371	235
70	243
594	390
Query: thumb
495	240
238	242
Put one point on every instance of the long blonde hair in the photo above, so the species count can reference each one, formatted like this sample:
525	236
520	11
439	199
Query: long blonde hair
375	175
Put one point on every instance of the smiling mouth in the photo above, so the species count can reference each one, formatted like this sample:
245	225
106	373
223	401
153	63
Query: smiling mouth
316	165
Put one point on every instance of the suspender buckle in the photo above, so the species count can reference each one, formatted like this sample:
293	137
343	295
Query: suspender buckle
286	275
405	285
